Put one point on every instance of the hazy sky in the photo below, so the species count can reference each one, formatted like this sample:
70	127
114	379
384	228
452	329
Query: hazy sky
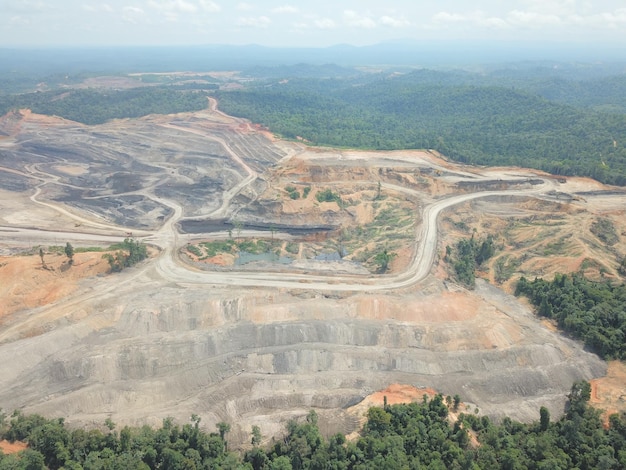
305	23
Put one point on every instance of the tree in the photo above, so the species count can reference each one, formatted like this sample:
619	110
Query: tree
545	309
457	402
51	440
378	420
257	458
195	419
578	397
41	253
256	435
485	251
581	391
223	428
383	259
109	424
136	251
132	252
69	252
31	460
281	463
238	224
544	418
125	439
311	417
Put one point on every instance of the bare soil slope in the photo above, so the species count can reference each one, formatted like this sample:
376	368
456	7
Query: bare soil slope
26	283
173	338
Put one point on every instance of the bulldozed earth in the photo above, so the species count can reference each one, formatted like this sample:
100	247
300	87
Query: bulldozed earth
265	294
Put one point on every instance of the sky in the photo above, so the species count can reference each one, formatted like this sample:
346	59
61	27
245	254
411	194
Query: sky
311	23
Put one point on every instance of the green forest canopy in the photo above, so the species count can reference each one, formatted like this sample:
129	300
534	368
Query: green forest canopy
486	125
91	106
416	435
589	310
531	118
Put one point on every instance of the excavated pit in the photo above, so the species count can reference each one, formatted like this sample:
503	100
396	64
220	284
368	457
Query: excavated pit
144	344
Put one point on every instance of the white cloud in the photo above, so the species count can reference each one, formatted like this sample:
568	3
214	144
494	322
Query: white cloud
532	19
210	6
618	15
445	17
19	21
104	7
285	9
132	14
495	23
474	19
182	6
394	22
243	6
359	21
133	10
25	6
254	22
552	7
612	20
325	23
186	7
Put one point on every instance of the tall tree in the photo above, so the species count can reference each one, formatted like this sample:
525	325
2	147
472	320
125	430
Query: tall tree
69	252
223	428
41	253
544	418
383	259
256	435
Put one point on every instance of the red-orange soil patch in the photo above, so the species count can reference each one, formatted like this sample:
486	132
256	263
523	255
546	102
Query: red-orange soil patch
609	392
549	324
8	448
399	393
25	283
447	307
395	394
402	260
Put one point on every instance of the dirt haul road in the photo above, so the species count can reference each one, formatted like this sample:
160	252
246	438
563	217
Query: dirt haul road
165	338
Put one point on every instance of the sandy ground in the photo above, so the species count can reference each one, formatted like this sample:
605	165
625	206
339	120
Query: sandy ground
25	283
609	393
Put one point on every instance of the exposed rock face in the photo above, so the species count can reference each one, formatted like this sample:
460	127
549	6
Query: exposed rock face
259	357
137	347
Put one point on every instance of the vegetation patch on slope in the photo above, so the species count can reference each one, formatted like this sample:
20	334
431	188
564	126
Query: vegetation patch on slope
592	311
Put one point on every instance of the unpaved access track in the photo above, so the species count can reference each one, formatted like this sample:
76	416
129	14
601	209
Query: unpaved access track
250	347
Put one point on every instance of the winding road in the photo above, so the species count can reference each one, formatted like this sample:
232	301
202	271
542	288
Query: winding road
169	266
419	268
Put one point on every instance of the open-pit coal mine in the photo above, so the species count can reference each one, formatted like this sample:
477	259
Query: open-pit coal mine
165	338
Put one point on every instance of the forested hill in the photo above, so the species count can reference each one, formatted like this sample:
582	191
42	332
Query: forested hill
567	120
91	106
416	435
464	116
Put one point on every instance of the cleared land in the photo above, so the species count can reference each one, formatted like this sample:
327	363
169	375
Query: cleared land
312	322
